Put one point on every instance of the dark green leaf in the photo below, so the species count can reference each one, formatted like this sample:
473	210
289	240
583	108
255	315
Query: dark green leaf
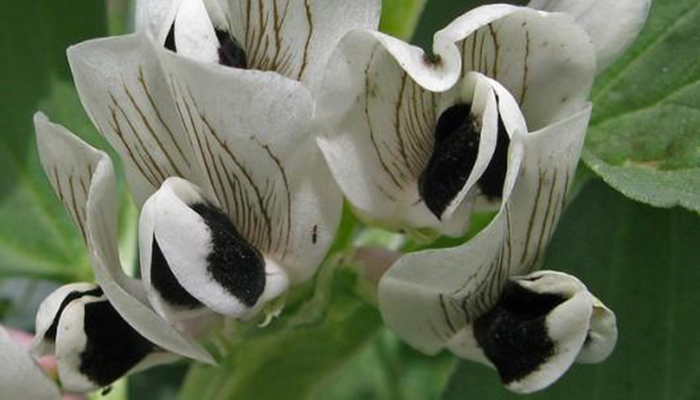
645	132
642	262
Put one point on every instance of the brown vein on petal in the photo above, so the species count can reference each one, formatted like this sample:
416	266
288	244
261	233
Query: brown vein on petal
307	45
533	215
74	207
59	189
246	174
154	165
116	127
142	81
150	130
441	299
545	219
397	118
526	69
288	194
496	46
372	137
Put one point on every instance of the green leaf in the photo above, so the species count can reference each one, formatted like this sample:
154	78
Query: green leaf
399	17
289	358
36	237
644	138
642	262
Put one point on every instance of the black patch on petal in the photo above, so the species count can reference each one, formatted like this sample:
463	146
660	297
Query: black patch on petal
231	54
170	39
233	262
453	158
513	335
165	282
51	332
491	182
113	347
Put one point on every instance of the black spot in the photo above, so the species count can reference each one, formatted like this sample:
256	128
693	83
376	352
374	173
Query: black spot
231	54
113	347
514	335
165	282
170	39
453	158
233	262
491	182
51	332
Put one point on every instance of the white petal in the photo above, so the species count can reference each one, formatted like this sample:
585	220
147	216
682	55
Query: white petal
155	17
381	128
602	335
255	141
122	87
295	38
95	346
21	377
551	158
194	32
187	241
534	333
426	297
612	24
87	175
546	61
49	312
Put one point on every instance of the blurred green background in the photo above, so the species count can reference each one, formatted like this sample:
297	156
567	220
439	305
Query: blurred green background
643	262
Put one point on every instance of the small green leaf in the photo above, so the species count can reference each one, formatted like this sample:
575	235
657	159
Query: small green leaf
642	262
644	138
400	17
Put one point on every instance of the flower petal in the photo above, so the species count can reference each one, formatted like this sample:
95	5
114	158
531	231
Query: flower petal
545	60
255	141
534	333
50	310
155	17
612	24
381	141
95	346
602	335
295	38
21	376
194	32
428	296
196	256
83	178
120	83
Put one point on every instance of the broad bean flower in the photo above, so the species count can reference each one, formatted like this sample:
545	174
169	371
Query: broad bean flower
495	117
210	106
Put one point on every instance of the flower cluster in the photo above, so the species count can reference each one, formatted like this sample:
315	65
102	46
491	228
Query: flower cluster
241	125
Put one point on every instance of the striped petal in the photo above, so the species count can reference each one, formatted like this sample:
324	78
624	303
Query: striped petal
296	38
83	178
427	297
25	378
122	87
612	24
255	141
541	324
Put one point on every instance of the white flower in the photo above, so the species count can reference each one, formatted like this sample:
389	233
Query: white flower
210	107
497	115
